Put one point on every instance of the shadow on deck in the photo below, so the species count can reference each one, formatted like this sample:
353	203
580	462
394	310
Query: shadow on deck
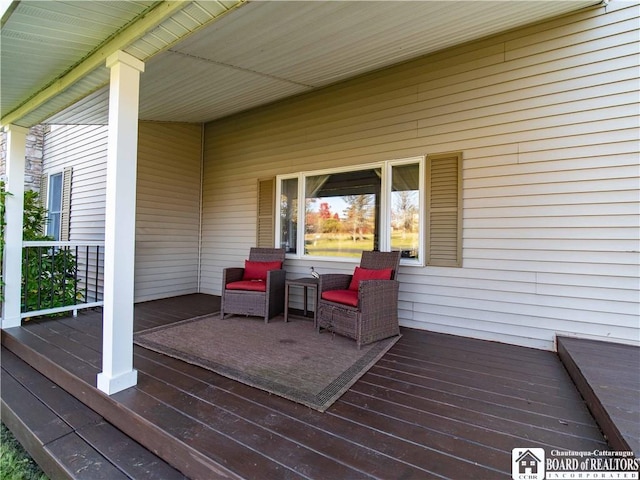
435	406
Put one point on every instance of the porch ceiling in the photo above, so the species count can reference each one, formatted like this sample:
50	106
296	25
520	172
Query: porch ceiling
209	59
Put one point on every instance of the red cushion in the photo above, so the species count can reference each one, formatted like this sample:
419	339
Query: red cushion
346	297
252	285
365	274
258	270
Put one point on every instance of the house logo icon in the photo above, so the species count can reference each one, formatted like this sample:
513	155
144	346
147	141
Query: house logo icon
527	464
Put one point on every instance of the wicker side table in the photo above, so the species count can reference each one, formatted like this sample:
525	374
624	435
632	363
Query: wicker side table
305	283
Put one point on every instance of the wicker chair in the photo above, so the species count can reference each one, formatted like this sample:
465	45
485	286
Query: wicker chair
367	314
254	297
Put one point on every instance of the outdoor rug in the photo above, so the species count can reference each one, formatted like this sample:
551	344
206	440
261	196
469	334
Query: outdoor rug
288	359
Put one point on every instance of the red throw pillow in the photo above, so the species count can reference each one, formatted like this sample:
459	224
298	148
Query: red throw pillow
365	274
258	270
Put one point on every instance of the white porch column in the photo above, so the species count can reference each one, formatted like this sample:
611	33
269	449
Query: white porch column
120	222
12	266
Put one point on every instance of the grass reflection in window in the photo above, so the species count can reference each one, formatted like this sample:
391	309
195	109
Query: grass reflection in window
342	213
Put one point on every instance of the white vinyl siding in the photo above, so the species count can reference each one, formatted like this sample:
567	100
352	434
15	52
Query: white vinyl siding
167	210
546	118
84	149
168	199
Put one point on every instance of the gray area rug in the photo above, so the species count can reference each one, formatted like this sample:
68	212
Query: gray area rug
289	359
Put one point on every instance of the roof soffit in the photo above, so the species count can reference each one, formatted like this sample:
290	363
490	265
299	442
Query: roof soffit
152	30
199	70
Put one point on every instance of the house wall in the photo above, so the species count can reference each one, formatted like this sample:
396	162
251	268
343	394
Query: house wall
84	148
547	120
168	199
168	210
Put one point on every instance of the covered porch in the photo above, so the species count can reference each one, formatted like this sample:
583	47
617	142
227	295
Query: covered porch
435	406
520	254
538	103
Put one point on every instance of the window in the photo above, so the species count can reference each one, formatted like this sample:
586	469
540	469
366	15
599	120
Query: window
405	210
54	206
412	205
55	195
342	213
289	215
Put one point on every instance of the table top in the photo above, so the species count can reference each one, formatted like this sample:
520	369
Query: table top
304	281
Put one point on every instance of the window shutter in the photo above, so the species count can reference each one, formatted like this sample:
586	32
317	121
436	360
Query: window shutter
44	188
265	234
444	210
65	211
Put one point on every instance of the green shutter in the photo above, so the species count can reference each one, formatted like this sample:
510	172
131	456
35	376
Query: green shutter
265	234
444	210
65	211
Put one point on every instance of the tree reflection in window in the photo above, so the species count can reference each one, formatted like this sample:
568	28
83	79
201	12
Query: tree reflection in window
289	214
405	211
342	213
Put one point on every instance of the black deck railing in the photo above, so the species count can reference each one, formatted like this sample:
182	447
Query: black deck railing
61	276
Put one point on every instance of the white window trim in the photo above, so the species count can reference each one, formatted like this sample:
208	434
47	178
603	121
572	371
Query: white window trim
385	206
386	223
58	171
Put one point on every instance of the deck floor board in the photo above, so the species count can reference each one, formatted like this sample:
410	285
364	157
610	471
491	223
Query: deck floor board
314	441
67	438
608	377
278	424
435	406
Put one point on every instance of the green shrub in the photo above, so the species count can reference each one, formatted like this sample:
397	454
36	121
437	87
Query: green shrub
48	274
48	279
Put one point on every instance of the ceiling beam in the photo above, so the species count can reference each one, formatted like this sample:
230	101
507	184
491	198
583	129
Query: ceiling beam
122	39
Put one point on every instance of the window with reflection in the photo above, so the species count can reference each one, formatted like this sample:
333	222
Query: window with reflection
405	209
54	206
347	211
342	213
289	214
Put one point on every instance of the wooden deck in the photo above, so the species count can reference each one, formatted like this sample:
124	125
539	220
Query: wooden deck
436	406
608	377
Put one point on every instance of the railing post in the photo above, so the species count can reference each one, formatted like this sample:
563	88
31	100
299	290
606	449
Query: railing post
12	262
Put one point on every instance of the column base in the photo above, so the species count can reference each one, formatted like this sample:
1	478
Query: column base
10	322
111	385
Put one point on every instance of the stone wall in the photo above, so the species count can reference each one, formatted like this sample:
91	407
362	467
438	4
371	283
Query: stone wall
33	158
